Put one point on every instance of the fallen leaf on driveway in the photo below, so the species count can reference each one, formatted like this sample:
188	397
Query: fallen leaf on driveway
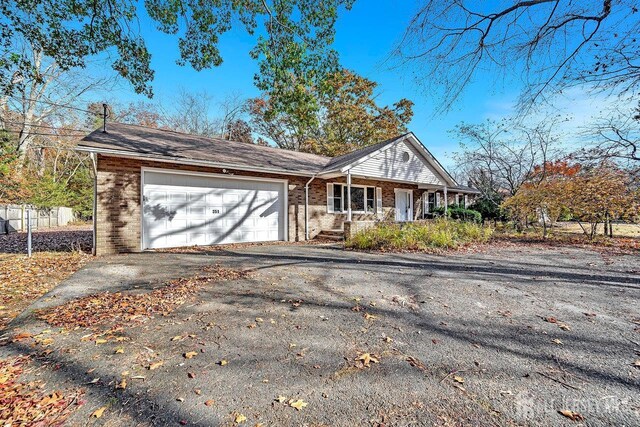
21	336
572	415
98	412
368	316
190	354
122	385
239	418
223	362
637	363
458	379
281	399
119	350
298	404
209	402
367	359
416	363
156	365
557	341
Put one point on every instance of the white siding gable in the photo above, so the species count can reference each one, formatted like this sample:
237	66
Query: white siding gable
390	164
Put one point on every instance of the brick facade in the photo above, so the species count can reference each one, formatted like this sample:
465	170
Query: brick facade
118	219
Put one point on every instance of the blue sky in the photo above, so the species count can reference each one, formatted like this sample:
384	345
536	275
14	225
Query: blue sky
365	38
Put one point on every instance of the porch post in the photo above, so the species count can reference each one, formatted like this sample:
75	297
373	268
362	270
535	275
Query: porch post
446	201
349	196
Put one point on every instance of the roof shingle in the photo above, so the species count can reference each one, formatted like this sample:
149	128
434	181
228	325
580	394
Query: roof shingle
158	142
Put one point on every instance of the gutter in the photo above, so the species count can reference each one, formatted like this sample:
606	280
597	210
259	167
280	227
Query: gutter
306	207
192	162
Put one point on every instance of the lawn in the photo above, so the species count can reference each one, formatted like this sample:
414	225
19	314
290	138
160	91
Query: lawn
313	335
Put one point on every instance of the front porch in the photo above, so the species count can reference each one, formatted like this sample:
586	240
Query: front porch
355	208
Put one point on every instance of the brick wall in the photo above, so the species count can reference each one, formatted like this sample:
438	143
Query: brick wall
119	208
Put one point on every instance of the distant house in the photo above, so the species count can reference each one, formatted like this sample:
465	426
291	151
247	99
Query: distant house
157	189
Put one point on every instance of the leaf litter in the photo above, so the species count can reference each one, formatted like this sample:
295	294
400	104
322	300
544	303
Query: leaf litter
122	308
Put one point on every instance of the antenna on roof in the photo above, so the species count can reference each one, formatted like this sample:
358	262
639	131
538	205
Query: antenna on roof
104	118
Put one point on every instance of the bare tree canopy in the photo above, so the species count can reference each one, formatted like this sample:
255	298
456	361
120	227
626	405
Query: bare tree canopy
614	138
498	157
554	44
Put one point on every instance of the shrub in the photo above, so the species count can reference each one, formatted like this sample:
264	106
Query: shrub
459	212
440	233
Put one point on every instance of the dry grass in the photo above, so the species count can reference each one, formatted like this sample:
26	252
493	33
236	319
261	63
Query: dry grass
619	230
437	235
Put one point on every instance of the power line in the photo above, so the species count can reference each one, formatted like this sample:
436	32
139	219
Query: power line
45	126
48	134
57	105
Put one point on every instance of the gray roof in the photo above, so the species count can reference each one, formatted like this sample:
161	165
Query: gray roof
464	189
151	142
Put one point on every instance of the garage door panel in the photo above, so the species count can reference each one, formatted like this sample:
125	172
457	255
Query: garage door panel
185	210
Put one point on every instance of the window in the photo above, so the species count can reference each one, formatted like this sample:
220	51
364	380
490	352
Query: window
337	197
371	199
362	198
431	202
405	157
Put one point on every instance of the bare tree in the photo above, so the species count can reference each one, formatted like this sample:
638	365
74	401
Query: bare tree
233	111
614	138
193	114
239	130
555	44
498	157
41	104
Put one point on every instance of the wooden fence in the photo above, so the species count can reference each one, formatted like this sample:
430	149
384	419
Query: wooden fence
14	218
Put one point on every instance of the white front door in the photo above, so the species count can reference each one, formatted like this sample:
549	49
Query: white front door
404	205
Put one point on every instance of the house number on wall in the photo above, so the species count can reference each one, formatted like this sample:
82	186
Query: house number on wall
216	211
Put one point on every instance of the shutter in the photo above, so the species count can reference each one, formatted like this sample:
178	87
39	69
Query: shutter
329	198
379	202
438	200
425	203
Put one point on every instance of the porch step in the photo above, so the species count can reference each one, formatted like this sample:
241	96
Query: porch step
336	234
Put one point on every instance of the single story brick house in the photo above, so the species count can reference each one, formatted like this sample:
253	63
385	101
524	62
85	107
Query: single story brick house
158	189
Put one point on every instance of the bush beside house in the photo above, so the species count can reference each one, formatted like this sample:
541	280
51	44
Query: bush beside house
459	212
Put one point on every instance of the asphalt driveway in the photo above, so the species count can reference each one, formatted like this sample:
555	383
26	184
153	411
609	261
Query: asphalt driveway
510	336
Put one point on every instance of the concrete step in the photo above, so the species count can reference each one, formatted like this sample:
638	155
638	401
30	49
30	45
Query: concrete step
321	236
334	232
337	235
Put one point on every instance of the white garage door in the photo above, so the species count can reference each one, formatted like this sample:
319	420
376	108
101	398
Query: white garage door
187	210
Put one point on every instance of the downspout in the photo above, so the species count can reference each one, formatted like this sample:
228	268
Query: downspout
94	161
306	207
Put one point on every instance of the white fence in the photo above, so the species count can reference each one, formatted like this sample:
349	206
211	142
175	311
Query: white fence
14	218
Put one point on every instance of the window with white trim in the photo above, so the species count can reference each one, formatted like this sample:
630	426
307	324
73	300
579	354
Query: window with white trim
429	202
363	198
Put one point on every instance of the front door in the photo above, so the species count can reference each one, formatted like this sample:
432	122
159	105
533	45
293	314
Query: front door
404	205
